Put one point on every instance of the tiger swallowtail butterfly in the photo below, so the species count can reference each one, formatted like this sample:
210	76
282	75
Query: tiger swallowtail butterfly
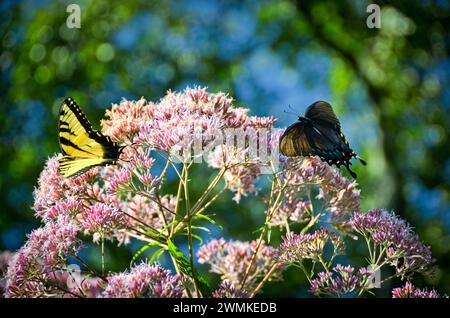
81	146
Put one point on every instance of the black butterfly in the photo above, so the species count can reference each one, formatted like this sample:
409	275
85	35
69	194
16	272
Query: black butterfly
318	133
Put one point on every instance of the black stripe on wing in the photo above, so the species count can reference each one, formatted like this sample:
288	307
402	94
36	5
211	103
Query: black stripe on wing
96	135
111	148
65	129
67	142
66	163
73	106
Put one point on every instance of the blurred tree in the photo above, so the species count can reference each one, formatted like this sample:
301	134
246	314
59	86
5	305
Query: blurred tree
388	85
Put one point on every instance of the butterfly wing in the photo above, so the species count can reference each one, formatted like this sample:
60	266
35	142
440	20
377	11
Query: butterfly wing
324	145
329	144
82	146
76	136
72	166
293	142
322	113
330	148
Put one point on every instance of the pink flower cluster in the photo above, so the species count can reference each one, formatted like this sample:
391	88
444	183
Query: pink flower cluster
109	201
339	195
343	281
231	259
244	163
144	280
47	249
6	258
83	199
239	178
150	212
150	127
296	248
126	119
227	290
96	201
411	291
186	120
404	250
101	219
292	210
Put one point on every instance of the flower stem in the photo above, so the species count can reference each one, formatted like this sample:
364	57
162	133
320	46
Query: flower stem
265	279
162	213
163	175
303	268
263	232
197	208
325	266
144	237
177	205
372	256
145	194
103	254
189	227
208	190
214	198
90	268
382	251
311	223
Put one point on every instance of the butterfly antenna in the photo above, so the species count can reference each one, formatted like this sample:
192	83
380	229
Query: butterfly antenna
291	110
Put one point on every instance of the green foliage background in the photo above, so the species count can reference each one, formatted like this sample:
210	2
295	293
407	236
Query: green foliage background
389	86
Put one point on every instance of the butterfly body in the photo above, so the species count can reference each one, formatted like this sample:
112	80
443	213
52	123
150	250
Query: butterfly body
81	146
318	133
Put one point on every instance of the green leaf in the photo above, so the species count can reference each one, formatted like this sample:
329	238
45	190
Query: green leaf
269	233
142	250
197	238
166	227
258	230
153	234
204	286
156	255
202	228
184	265
209	219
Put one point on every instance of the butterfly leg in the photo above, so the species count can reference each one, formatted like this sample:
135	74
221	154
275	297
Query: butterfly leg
350	171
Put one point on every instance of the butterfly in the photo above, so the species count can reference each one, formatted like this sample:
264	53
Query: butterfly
318	133
82	147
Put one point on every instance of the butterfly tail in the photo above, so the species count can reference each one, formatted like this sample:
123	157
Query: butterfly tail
362	160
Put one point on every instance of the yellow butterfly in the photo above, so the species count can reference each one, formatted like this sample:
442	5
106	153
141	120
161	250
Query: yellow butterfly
82	147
